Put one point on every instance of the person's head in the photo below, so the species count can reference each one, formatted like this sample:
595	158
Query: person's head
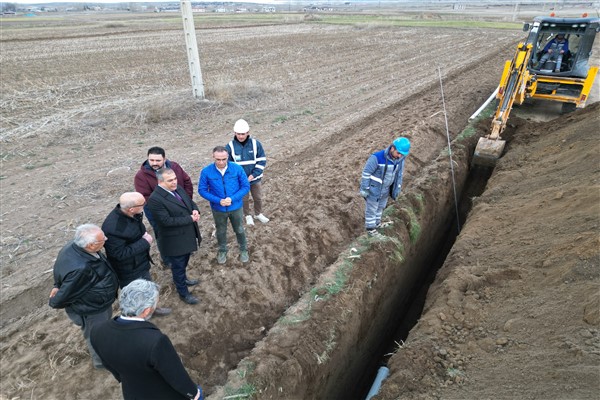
560	36
400	147
241	129
220	156
156	158
89	237
139	299
167	179
132	203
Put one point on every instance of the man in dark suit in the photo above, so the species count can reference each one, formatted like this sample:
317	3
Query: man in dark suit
138	354
176	217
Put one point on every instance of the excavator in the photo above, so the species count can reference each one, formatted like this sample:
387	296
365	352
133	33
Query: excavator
564	76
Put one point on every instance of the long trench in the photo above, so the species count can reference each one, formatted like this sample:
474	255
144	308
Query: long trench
409	315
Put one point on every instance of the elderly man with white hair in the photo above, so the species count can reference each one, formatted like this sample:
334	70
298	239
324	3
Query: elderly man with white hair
85	284
138	354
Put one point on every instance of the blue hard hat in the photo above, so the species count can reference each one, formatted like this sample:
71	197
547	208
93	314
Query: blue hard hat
402	145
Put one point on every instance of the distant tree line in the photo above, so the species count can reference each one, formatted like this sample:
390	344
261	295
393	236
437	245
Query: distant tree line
8	6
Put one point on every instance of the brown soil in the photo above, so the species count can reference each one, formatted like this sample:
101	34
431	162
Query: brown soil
80	113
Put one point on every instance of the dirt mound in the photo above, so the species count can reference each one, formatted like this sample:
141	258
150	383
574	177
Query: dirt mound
514	312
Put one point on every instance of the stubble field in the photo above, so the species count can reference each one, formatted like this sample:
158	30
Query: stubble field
83	101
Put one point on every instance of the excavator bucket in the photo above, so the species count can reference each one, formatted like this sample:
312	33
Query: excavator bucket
488	151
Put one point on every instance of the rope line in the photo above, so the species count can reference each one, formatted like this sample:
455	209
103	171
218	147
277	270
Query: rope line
449	152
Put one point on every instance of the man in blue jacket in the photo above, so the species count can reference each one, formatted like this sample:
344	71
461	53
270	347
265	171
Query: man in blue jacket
248	152
224	184
382	178
85	284
554	50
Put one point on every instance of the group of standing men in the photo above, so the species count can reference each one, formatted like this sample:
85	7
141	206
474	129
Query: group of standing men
86	280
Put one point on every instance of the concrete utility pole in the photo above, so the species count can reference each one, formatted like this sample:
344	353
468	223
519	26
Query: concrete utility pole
192	49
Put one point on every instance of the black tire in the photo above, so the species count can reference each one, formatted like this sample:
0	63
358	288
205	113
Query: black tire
568	108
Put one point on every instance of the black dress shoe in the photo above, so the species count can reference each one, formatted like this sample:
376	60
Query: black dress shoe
190	299
192	282
162	311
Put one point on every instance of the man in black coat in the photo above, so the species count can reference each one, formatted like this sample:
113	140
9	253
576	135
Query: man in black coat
138	354
85	284
176	217
128	244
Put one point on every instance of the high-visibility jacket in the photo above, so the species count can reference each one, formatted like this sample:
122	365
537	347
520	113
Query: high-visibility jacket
250	155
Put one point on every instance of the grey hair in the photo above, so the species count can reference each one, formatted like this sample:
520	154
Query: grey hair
85	235
137	296
163	171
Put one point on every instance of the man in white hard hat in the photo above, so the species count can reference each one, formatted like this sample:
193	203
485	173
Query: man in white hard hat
250	155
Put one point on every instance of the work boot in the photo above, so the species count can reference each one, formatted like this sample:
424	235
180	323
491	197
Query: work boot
189	299
374	233
249	220
262	218
244	257
222	257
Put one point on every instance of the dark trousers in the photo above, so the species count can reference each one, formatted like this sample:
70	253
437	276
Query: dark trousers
236	217
86	322
126	281
178	268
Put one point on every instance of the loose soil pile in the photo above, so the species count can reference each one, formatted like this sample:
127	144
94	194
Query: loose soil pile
79	113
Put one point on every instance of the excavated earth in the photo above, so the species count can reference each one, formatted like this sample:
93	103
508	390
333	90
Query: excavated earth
514	310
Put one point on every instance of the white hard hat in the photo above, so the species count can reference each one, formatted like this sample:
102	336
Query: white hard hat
241	126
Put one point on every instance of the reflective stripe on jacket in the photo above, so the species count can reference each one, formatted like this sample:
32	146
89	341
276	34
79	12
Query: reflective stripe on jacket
250	155
382	175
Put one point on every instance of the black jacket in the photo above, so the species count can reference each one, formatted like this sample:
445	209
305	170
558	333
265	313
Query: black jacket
143	359
86	285
177	233
126	249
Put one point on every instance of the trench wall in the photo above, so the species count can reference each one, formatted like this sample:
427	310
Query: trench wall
323	344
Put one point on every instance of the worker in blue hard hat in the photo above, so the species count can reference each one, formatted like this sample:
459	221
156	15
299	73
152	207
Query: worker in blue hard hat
382	178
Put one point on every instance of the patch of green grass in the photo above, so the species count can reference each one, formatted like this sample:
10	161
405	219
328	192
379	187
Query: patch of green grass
246	391
414	227
371	21
281	119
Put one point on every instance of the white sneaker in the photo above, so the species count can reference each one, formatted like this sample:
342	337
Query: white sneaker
262	218
249	220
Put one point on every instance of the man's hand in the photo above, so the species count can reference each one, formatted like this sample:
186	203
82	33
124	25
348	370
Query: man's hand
195	215
225	202
364	193
53	292
250	178
148	238
550	51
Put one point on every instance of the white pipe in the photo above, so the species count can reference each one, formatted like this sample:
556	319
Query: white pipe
484	105
382	373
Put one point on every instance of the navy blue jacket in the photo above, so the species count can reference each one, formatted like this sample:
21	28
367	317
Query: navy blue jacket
250	155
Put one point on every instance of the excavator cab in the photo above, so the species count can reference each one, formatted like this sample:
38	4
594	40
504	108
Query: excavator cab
533	73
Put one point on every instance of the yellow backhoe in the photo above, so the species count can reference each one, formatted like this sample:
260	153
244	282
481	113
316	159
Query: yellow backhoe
543	67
